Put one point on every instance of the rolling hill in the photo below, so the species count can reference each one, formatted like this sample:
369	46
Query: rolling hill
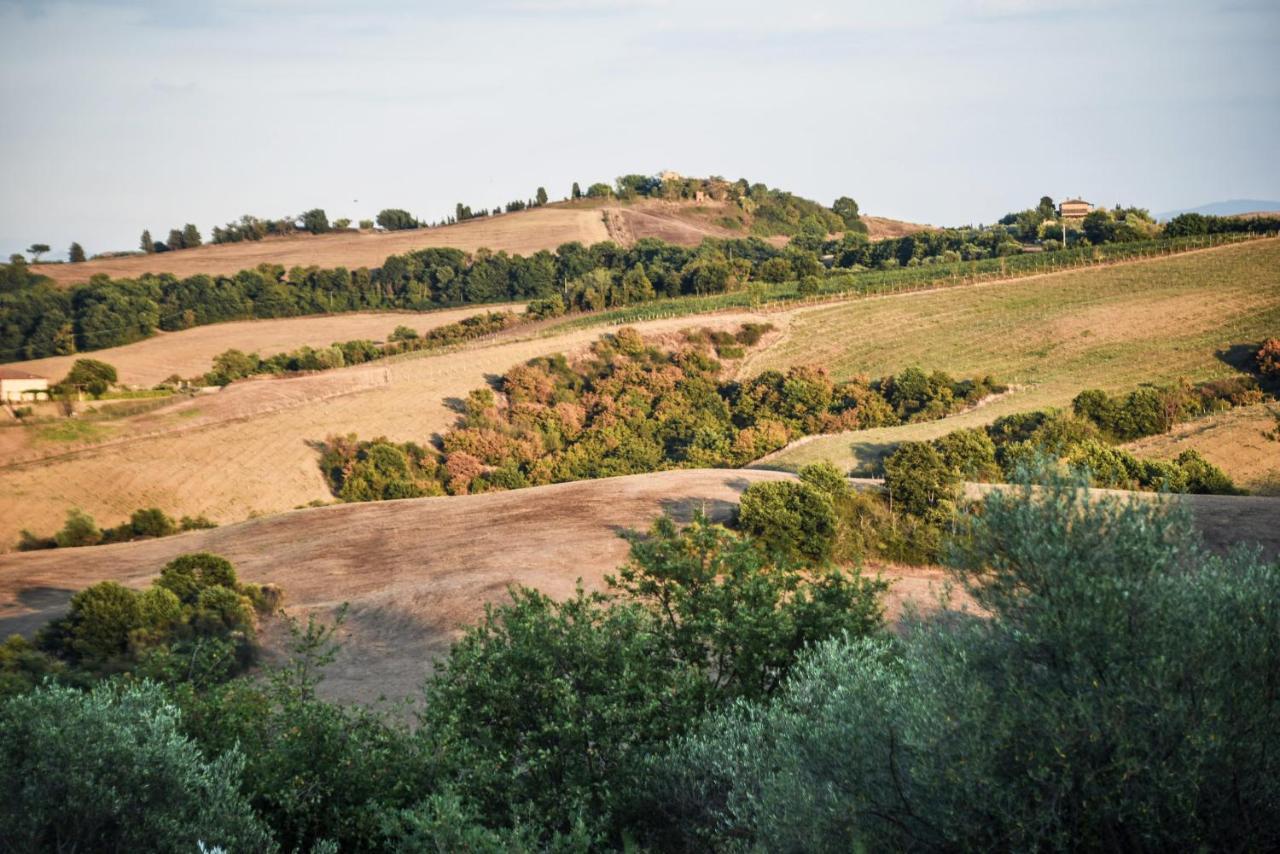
418	570
1233	207
522	232
249	450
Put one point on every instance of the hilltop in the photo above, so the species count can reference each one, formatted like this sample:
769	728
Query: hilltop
678	220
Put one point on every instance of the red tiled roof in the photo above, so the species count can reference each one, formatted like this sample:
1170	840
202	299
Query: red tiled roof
11	374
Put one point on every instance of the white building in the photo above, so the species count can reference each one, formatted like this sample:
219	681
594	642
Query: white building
19	386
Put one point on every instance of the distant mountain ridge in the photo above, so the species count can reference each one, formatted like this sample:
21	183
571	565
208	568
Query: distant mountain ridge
1227	208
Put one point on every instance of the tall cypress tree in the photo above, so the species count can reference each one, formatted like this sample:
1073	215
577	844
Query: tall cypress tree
76	253
147	245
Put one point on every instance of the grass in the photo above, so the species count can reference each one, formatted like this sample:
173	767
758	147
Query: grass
136	394
1113	328
873	283
70	430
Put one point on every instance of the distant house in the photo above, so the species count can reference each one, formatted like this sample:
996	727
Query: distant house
17	386
1074	209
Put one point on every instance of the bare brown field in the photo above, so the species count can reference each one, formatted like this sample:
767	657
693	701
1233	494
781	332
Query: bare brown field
248	461
416	571
190	352
882	228
1233	441
525	232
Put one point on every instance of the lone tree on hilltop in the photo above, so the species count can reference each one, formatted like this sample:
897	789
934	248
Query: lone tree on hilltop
76	253
147	245
847	209
315	221
541	196
35	250
576	192
190	237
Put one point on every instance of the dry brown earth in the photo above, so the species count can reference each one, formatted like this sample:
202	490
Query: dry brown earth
416	571
524	233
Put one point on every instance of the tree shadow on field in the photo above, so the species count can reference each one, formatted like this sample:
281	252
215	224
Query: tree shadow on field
681	511
42	603
870	457
1242	357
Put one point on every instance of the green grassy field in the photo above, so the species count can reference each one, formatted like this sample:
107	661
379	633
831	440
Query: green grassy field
1052	336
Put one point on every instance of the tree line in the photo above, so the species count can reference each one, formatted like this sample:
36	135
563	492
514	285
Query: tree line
38	319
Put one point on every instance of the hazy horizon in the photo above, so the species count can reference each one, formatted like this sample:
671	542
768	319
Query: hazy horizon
128	114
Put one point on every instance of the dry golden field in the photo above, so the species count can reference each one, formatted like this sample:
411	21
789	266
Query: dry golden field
249	449
525	232
1235	441
190	352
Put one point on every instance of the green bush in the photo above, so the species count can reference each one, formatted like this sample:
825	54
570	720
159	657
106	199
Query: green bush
110	770
920	482
549	706
970	454
794	521
90	375
79	530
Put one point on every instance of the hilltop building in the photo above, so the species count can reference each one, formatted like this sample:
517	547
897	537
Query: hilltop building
1074	209
17	386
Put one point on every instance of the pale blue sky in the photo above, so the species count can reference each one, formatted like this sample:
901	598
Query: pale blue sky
125	114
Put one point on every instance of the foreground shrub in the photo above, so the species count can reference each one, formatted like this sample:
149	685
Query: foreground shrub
550	706
109	770
543	714
1121	695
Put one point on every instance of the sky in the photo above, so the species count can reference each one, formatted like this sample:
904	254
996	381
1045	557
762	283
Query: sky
131	114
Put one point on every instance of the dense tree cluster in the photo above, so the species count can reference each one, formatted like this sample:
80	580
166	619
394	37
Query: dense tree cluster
1194	224
1118	674
252	228
1154	409
1083	439
187	237
631	407
38	319
196	622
